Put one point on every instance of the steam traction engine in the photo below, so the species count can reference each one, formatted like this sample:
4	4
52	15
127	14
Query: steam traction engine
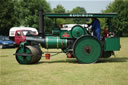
76	42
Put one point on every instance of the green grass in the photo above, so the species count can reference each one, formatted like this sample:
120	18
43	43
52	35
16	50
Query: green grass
62	71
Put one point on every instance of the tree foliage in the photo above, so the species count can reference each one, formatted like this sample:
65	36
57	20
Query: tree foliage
22	12
120	24
79	10
7	17
59	9
27	12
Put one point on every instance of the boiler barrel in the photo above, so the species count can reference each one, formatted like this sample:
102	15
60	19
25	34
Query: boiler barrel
55	42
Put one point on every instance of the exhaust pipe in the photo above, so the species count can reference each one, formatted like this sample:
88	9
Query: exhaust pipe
41	23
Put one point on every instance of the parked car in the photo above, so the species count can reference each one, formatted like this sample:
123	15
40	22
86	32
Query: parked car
6	43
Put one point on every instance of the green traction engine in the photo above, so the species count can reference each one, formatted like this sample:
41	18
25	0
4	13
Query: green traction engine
76	42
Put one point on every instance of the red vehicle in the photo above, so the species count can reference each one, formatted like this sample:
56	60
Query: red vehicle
20	35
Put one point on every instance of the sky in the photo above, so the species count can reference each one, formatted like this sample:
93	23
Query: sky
91	6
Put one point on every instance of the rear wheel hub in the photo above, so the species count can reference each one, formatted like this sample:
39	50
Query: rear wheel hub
87	49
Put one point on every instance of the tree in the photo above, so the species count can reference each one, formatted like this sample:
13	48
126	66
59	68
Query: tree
7	17
22	12
120	23
78	10
59	9
27	12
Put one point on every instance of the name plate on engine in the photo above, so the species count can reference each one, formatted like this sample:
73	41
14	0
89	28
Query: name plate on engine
80	15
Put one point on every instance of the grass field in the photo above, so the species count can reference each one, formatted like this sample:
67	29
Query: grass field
62	71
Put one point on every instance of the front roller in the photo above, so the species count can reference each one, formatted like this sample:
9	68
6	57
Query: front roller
87	49
28	54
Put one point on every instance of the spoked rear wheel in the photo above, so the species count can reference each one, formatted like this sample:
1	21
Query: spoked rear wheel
87	49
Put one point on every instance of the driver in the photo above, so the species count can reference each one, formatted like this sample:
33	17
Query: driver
95	27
